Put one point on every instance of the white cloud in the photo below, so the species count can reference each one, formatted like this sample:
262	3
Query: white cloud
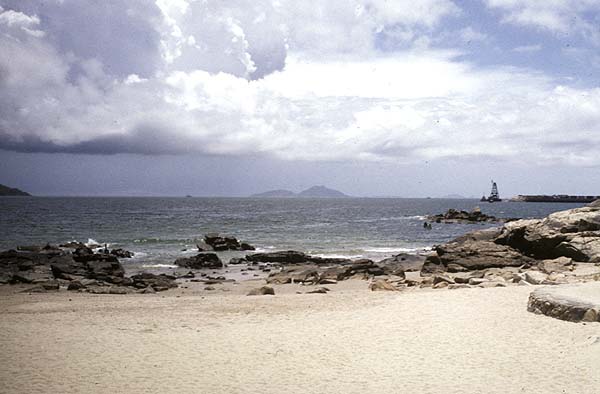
405	106
562	16
469	34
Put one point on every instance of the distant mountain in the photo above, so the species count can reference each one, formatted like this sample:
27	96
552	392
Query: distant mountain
9	191
280	193
313	192
321	192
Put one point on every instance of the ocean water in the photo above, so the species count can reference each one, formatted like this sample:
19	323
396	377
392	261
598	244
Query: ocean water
159	230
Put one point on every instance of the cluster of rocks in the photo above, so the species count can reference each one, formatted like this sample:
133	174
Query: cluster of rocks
218	243
76	268
455	216
539	251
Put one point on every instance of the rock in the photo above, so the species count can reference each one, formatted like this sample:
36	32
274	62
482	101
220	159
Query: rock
209	288
432	265
559	264
535	277
458	286
246	246
202	260
160	282
574	233
491	284
220	243
75	285
440	285
39	273
73	245
237	260
442	278
382	285
294	275
454	216
477	281
319	290
575	303
121	253
265	290
285	257
404	262
147	290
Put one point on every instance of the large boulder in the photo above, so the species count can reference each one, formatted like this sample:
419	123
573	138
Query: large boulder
403	262
201	260
574	233
477	255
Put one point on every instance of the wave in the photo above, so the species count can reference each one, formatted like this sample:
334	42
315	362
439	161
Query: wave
390	218
159	266
396	249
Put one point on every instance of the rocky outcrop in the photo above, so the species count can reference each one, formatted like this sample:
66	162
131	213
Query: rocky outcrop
551	244
217	243
201	260
454	216
80	270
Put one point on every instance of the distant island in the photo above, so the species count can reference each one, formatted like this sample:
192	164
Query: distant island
312	192
9	191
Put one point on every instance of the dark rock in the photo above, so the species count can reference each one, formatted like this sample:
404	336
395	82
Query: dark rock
265	290
75	285
73	245
285	257
454	216
160	282
319	290
220	243
202	260
432	265
237	260
246	246
121	253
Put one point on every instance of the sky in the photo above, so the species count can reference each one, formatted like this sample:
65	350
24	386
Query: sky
370	97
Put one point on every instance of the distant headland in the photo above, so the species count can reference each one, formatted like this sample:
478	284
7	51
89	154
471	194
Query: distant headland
9	191
312	192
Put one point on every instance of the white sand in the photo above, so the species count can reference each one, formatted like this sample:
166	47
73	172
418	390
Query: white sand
349	341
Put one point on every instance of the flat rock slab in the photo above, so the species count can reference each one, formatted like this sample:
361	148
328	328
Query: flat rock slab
577	302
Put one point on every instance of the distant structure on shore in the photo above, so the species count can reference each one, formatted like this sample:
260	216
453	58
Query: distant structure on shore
313	192
494	195
9	191
554	198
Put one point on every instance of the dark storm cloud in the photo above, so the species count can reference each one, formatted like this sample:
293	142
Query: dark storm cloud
144	139
122	35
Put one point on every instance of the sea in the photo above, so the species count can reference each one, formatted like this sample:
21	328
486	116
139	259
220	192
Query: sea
160	230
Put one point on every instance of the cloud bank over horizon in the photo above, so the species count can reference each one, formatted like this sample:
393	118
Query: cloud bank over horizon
360	80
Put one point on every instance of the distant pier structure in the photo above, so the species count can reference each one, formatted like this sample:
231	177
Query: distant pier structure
494	195
555	198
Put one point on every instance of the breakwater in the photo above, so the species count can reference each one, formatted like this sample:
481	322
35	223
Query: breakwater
555	198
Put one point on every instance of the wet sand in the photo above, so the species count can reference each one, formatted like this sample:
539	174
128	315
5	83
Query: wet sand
351	340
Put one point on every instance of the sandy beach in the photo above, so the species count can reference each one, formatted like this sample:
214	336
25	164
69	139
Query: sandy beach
351	340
